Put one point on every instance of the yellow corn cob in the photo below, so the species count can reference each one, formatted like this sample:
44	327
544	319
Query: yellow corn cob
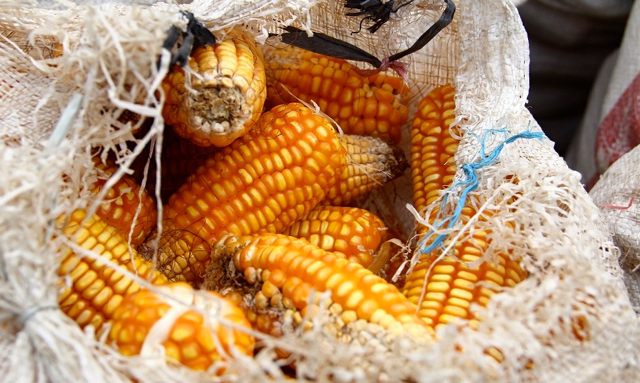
451	286
231	92
373	106
433	146
121	203
90	291
347	231
371	163
262	182
190	338
292	268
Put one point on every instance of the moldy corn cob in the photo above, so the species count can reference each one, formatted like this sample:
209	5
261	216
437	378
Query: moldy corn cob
230	83
373	106
121	203
350	232
262	182
91	291
451	286
189	338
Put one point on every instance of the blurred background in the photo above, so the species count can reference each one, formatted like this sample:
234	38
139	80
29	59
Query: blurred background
574	46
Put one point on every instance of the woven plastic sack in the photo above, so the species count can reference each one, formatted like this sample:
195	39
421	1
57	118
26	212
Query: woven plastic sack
619	129
54	110
616	193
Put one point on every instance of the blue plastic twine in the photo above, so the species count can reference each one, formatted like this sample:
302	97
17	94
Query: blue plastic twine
471	182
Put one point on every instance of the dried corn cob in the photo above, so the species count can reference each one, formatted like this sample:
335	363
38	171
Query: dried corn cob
433	146
230	82
373	106
371	163
291	268
348	231
189	338
451	286
121	203
90	291
262	182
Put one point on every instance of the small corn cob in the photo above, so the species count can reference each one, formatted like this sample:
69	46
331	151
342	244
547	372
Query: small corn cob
121	203
451	285
262	182
91	291
231	90
373	106
346	231
292	268
371	163
188	337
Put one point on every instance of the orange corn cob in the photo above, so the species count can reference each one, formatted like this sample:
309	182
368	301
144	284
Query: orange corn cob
451	286
371	163
262	182
433	146
346	231
373	106
230	92
90	291
292	268
121	203
190	338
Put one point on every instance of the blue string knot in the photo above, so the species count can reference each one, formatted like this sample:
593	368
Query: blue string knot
471	182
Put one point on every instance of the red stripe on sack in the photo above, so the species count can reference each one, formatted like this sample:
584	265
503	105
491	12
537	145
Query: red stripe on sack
619	132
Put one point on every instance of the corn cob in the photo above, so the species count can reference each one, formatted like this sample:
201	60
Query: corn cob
262	182
191	339
373	106
121	203
90	291
349	232
290	269
231	90
371	163
451	286
433	146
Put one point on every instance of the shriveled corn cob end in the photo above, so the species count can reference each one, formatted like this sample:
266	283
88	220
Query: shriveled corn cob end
452	286
353	232
371	163
432	146
290	269
231	89
262	182
90	291
148	319
373	106
121	203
